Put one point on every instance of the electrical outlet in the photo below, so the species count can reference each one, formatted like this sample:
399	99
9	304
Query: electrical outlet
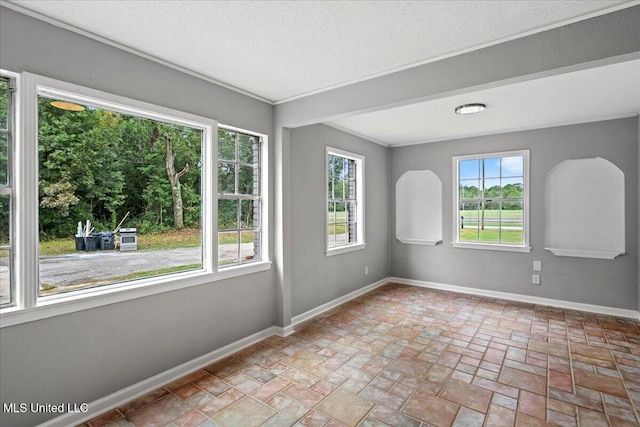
535	279
537	265
366	270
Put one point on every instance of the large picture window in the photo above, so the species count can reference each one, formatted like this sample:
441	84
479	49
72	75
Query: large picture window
127	187
120	199
345	201
491	203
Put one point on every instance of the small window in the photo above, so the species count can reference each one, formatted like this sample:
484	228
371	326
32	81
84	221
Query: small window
7	90
239	198
345	201
491	203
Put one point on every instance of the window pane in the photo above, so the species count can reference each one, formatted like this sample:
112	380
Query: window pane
226	145
470	189
331	232
469	221
337	167
247	149
248	215
228	248
492	188
331	217
99	167
490	215
4	104
246	184
4	159
5	274
341	212
249	247
491	168
512	188
330	187
342	234
5	209
489	233
227	214
469	169
5	264
512	166
512	222
226	178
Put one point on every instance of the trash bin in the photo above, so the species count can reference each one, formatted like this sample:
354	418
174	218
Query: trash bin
107	241
79	243
91	243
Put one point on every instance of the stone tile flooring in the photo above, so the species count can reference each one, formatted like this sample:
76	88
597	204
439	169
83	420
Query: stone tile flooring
408	356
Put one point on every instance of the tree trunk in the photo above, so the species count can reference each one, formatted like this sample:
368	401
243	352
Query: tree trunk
174	180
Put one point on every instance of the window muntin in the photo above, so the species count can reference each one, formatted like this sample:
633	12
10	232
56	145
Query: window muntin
7	114
492	199
239	198
345	195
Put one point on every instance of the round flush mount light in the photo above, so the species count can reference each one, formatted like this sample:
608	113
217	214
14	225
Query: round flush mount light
69	106
466	109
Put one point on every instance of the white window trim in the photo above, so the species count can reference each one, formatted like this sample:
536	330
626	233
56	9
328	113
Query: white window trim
11	189
28	306
360	202
264	196
526	248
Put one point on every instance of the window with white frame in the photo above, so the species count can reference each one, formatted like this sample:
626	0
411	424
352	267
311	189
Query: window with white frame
491	203
239	197
119	199
345	201
7	121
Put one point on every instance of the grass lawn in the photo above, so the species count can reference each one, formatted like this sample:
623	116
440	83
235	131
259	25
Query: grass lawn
185	238
491	236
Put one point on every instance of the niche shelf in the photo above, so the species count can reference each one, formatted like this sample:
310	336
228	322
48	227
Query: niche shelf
419	208
584	210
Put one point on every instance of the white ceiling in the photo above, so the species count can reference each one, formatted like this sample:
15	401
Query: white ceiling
606	92
282	50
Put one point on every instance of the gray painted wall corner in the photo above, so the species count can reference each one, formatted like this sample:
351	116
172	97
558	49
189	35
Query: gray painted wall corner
316	278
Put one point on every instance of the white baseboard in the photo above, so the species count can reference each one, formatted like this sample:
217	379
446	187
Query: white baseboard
125	395
591	308
336	302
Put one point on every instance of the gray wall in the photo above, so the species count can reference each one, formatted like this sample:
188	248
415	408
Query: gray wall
315	277
611	283
87	355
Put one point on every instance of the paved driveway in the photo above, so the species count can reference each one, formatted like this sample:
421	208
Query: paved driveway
83	267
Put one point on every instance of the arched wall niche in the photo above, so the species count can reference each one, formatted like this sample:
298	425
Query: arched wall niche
419	208
584	210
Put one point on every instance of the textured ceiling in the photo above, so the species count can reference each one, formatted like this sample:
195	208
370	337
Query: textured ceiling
279	50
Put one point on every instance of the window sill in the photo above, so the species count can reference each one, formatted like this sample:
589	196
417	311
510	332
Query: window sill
579	253
69	303
492	247
419	241
345	249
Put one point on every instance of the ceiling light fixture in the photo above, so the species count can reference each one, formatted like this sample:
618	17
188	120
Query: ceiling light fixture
69	106
463	110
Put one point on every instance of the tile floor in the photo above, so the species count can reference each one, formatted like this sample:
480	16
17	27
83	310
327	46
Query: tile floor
408	356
